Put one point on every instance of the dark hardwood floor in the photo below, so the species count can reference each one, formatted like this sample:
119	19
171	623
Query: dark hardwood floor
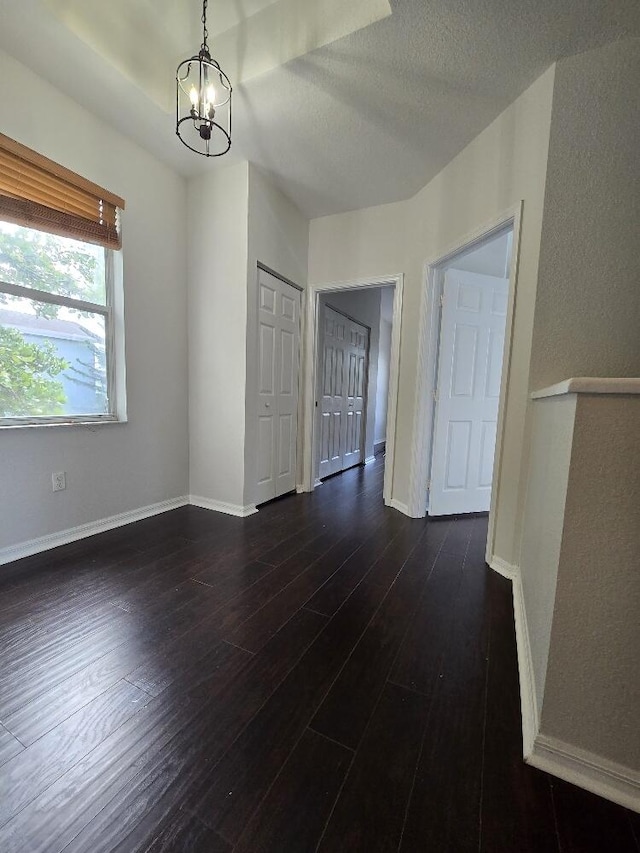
326	675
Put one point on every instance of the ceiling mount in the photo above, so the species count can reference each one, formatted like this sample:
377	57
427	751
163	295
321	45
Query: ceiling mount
203	101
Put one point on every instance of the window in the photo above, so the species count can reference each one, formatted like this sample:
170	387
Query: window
59	317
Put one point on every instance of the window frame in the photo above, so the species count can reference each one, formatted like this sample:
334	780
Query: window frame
39	194
114	348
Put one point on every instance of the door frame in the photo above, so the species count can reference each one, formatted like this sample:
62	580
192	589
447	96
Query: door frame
366	388
428	349
310	373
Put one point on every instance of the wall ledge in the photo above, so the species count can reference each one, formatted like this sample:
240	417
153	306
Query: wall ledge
590	385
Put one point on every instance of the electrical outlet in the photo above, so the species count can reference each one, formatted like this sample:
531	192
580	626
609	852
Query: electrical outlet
59	481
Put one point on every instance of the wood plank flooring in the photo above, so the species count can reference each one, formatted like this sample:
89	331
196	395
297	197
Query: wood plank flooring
327	675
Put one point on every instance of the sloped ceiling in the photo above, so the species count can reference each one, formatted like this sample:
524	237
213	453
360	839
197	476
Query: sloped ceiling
344	104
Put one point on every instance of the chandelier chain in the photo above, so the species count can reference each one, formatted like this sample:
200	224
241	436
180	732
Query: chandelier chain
205	32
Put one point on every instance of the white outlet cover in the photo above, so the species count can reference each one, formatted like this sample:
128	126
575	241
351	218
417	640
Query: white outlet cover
59	481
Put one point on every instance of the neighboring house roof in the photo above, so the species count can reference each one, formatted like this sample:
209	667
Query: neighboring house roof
31	324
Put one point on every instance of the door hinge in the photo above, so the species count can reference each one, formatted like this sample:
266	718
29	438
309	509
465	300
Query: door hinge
435	395
429	485
442	300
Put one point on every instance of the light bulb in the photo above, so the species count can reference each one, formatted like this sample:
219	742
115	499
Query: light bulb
211	94
193	96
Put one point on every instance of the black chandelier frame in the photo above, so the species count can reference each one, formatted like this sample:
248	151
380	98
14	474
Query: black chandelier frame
203	115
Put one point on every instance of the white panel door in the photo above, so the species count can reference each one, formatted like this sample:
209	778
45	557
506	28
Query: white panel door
474	313
341	392
278	355
356	372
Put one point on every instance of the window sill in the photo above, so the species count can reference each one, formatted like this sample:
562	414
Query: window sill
30	423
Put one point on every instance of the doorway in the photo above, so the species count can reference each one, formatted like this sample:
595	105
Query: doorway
473	310
464	369
331	293
342	394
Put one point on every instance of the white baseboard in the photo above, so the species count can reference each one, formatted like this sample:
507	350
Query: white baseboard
369	460
82	531
395	504
596	774
72	534
417	509
221	506
503	568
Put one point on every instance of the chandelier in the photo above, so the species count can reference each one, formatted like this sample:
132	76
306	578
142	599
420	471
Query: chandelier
203	101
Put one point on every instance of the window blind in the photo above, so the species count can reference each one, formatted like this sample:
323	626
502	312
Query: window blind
38	193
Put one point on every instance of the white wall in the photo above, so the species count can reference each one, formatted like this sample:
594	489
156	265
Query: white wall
278	231
583	629
588	303
111	468
384	363
278	238
592	687
218	251
382	391
548	475
237	219
503	165
363	306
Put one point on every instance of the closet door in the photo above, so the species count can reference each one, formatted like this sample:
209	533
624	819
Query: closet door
341	392
278	371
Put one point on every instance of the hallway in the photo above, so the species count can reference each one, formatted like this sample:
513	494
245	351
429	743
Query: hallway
326	675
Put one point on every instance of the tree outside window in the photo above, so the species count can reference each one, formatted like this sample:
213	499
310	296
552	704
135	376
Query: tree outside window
52	352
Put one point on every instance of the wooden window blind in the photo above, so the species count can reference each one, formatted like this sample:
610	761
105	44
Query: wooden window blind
38	193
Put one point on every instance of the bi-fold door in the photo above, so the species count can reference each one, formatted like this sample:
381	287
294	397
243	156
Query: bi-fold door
278	368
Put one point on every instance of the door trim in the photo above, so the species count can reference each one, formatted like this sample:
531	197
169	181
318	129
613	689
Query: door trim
349	317
428	343
309	373
282	278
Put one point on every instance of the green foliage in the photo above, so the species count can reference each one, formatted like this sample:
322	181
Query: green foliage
27	377
28	371
38	260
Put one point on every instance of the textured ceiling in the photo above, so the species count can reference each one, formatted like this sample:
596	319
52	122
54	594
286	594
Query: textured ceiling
344	105
247	38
